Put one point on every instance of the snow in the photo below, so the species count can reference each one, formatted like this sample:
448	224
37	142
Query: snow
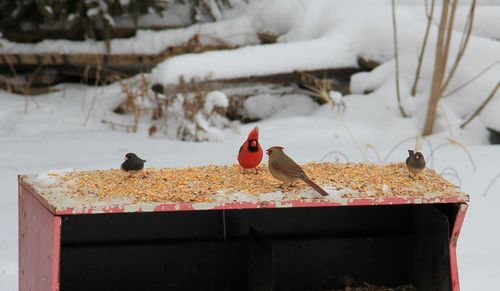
255	61
214	9
208	132
71	17
38	142
490	115
48	9
263	106
215	99
231	32
336	97
324	34
109	19
69	144
64	129
50	177
327	34
92	12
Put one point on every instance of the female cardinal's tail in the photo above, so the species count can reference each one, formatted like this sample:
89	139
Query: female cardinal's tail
315	186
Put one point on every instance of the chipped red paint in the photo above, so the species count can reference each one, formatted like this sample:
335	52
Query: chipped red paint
457	227
39	245
186	206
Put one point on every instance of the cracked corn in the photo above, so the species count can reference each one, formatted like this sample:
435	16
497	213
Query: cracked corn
199	184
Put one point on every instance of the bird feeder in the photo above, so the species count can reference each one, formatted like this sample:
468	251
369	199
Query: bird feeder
369	236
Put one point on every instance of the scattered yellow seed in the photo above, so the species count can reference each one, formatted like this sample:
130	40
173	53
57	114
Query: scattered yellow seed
199	184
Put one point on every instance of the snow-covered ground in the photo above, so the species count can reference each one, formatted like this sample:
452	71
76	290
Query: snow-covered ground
52	135
64	129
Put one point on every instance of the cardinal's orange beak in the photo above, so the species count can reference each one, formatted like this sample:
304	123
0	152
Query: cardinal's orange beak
253	143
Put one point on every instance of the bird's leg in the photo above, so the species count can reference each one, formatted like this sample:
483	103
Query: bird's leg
256	170
284	186
244	171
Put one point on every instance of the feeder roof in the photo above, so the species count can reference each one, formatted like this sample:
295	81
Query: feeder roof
226	187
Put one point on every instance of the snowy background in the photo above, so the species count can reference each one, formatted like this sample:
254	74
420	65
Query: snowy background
64	129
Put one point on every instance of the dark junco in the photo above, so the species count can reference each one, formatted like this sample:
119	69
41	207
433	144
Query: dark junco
415	163
132	163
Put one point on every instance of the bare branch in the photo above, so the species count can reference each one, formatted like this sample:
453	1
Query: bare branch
463	45
439	69
481	107
422	49
396	56
473	79
97	79
449	33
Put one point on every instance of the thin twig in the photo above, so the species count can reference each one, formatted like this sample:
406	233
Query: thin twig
481	107
353	139
396	56
449	33
85	79
463	46
393	149
448	123
455	143
473	79
96	84
422	49
24	89
335	152
374	149
426	6
490	184
28	86
446	172
14	73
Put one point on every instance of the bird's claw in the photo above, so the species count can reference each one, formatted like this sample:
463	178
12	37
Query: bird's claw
285	187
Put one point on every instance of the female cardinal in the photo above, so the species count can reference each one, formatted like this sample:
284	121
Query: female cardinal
250	154
283	168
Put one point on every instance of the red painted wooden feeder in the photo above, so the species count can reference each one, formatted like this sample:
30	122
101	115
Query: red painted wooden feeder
290	244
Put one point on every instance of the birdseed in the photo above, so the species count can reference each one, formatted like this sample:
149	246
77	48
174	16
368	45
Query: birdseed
202	184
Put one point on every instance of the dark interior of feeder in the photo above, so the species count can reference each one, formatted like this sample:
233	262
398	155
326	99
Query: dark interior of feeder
320	248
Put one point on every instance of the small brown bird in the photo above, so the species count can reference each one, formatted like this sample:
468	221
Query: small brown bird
283	168
415	163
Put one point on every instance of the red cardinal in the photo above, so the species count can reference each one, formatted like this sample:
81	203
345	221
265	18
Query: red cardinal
250	154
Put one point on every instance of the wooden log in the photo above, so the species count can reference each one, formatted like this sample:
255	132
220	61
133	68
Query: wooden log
339	76
193	45
31	36
77	59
